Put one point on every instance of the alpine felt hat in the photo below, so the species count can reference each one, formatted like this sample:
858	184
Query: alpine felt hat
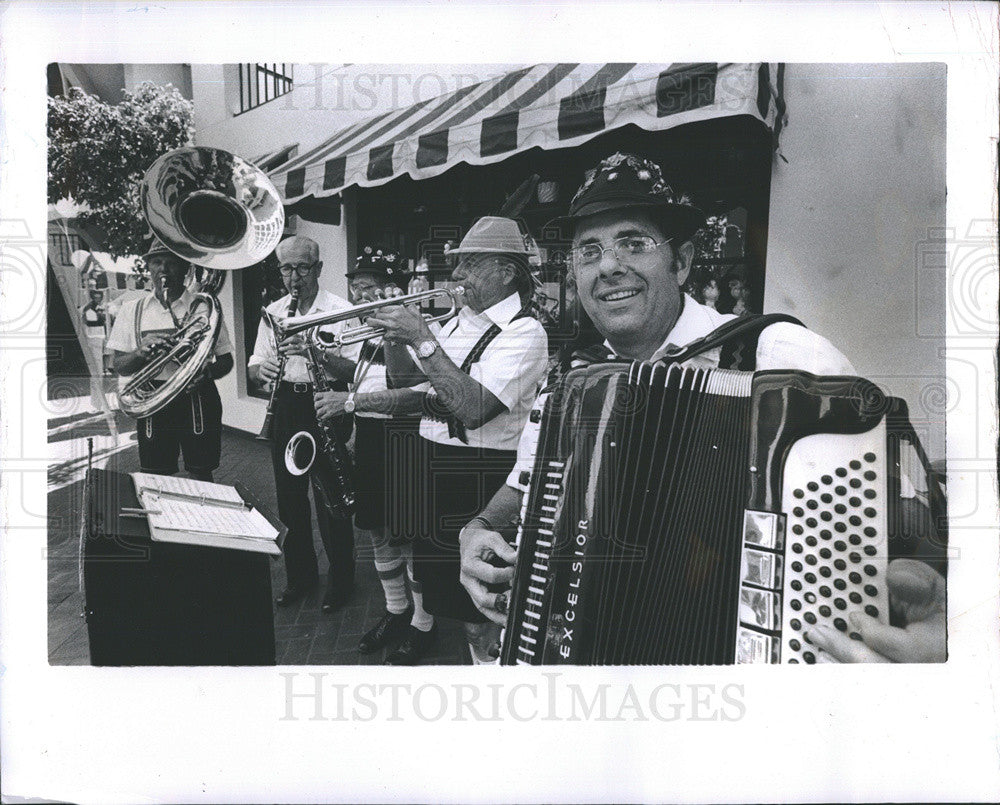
625	181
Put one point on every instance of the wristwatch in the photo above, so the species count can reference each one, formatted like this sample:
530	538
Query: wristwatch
426	348
349	404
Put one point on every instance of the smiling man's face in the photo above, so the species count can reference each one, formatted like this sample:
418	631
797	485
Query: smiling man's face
633	302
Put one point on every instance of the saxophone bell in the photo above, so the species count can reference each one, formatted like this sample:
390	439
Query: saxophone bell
300	453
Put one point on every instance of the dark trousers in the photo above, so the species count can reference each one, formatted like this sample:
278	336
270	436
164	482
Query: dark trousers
450	486
294	412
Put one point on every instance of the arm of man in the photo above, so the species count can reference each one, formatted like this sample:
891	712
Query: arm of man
262	367
221	362
394	402
461	394
338	367
401	371
129	356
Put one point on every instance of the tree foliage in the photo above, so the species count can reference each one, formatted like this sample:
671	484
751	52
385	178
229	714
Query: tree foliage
98	154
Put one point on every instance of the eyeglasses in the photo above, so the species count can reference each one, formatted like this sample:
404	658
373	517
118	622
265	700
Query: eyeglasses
624	249
301	270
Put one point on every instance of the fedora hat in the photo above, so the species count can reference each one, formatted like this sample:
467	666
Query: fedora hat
625	181
492	234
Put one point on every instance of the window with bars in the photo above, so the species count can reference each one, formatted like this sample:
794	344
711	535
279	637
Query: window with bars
260	83
65	245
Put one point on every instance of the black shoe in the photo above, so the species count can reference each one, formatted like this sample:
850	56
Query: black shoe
413	647
390	627
334	599
292	593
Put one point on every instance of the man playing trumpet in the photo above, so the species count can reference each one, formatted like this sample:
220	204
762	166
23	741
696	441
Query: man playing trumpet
191	423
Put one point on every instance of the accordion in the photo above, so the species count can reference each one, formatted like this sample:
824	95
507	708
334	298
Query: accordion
705	516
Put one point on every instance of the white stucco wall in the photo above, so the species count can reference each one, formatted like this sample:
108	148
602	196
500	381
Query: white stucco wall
850	215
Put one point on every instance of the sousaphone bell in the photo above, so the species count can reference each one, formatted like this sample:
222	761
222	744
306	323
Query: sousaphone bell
219	213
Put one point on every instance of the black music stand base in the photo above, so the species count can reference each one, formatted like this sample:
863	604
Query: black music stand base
159	603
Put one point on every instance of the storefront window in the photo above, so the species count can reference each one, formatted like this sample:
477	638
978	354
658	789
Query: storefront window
724	163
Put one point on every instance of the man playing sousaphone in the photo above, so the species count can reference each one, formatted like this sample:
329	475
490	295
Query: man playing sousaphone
192	422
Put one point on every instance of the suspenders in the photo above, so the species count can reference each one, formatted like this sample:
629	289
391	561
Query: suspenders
435	410
197	414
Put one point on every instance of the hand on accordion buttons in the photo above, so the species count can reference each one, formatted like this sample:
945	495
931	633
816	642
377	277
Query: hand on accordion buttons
917	592
478	547
329	404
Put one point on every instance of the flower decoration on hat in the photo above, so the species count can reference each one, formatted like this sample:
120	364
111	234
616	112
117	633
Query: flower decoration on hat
377	261
646	171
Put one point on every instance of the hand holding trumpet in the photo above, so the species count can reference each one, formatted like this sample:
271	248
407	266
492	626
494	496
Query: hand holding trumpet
403	324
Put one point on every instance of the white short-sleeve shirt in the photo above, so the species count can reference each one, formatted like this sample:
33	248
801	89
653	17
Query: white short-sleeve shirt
156	319
780	346
512	368
296	369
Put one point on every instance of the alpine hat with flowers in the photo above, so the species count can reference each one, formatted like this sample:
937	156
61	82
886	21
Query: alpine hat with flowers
625	181
379	261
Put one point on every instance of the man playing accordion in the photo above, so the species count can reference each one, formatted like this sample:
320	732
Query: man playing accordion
632	252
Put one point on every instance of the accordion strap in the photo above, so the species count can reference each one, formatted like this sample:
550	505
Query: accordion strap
737	338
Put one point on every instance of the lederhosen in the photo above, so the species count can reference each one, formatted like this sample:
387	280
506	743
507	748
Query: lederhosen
381	447
452	485
191	423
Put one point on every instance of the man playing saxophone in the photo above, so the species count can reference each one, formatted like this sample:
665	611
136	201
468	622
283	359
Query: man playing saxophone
300	269
191	423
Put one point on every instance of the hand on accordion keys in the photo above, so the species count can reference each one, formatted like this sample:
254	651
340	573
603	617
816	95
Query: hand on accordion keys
917	592
481	551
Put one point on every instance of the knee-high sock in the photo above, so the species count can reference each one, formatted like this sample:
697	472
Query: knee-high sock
422	619
391	569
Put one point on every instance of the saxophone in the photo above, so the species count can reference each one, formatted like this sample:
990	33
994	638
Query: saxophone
328	464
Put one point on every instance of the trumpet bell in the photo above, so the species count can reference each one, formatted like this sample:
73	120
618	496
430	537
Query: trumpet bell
212	207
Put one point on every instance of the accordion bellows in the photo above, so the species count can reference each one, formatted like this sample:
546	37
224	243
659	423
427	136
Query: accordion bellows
692	516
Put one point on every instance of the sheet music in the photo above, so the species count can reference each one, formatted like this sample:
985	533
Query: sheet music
187	486
181	515
183	506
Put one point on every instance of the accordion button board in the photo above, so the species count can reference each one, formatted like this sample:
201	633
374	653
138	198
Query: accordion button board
824	557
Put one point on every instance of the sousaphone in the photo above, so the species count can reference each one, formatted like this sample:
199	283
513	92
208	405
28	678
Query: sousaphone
220	213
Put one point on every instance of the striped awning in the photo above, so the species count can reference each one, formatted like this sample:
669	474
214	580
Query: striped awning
272	160
539	106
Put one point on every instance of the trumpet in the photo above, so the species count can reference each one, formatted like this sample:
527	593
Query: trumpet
353	335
